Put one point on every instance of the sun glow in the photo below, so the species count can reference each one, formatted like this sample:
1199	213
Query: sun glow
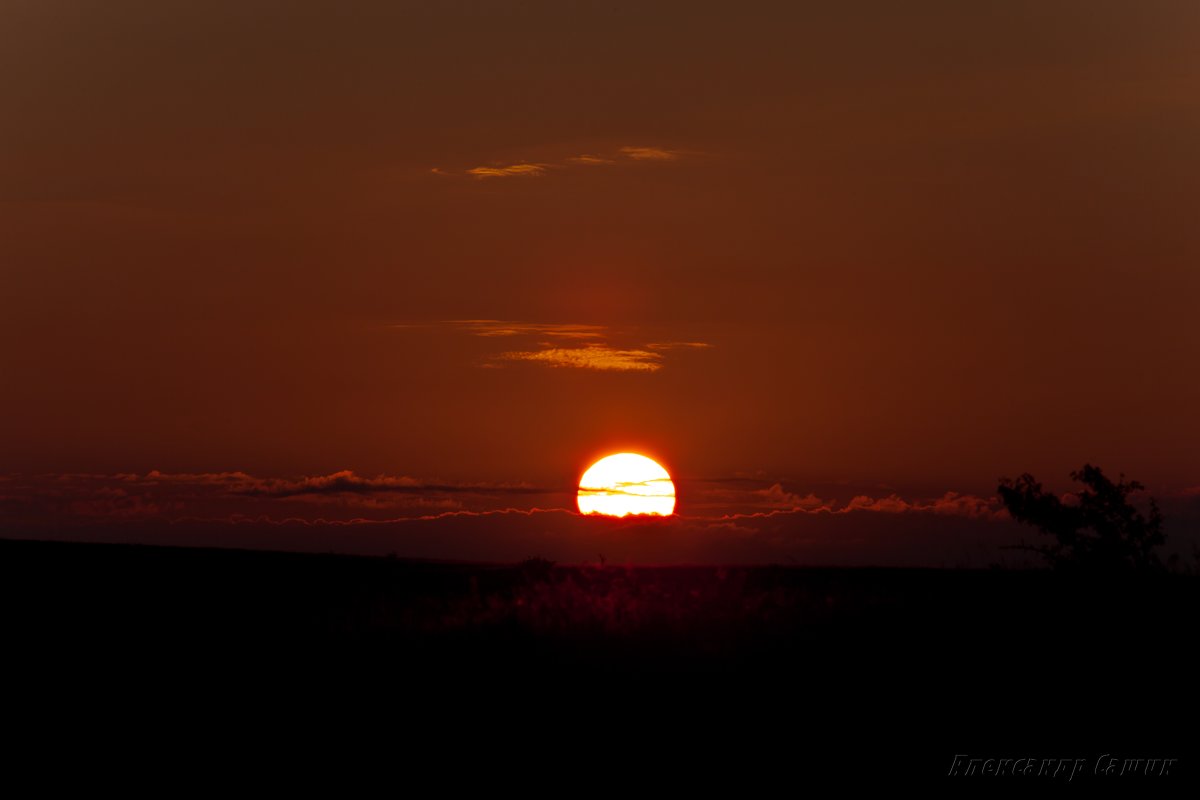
626	483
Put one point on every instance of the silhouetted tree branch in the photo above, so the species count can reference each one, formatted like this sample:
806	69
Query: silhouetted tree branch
1101	530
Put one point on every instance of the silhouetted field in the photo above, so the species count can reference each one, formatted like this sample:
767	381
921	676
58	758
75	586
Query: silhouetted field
935	661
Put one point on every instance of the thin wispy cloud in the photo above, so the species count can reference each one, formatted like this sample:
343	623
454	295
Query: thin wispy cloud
499	327
596	356
571	345
509	171
590	160
628	155
752	498
678	345
652	487
650	154
348	482
166	496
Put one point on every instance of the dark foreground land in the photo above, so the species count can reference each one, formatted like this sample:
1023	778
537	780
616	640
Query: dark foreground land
798	670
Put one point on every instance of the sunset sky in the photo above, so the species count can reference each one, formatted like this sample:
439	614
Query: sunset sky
385	260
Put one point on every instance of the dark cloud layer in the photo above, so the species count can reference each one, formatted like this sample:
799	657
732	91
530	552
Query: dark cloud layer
344	512
858	538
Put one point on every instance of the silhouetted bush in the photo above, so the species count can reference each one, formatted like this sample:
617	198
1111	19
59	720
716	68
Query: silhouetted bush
1098	530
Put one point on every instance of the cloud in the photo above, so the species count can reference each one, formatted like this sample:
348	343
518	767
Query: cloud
532	169
59	499
651	487
650	154
591	346
726	497
750	497
496	327
230	479
967	505
776	496
858	538
346	512
678	345
595	356
951	503
510	171
346	481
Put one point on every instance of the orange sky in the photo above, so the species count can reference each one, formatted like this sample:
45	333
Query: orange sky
916	245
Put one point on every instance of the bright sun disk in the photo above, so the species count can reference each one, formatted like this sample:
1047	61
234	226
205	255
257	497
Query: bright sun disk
626	483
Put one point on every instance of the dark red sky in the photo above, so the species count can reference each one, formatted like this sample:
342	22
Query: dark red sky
926	244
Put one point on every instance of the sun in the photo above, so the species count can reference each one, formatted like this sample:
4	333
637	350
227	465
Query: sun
626	483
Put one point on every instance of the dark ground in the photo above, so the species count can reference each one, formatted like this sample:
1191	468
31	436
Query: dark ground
675	674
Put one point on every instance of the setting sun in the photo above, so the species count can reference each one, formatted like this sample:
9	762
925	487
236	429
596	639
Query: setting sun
626	483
